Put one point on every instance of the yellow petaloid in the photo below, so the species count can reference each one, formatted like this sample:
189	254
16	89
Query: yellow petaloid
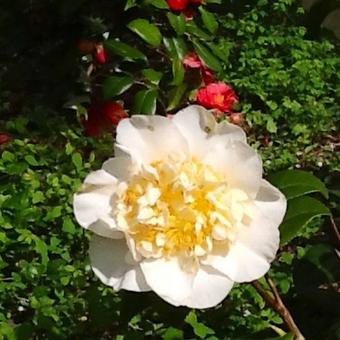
180	209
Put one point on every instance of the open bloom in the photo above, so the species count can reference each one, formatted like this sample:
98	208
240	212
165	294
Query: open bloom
218	96
181	210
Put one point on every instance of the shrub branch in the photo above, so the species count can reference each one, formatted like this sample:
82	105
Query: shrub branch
275	302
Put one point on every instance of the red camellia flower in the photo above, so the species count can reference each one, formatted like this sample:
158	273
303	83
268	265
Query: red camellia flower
181	5
177	5
100	54
217	96
191	60
101	116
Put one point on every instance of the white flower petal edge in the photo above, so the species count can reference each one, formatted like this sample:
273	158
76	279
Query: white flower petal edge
108	261
209	288
255	248
92	206
202	132
150	138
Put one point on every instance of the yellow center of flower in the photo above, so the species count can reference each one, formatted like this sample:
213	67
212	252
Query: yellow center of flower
180	208
219	98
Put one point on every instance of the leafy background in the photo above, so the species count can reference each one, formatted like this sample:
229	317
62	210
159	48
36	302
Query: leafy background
285	71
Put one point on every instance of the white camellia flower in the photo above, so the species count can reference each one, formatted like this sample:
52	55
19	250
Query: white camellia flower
181	210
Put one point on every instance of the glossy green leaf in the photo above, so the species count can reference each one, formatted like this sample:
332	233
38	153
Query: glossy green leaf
124	50
208	58
175	96
192	28
209	20
116	85
177	71
161	4
294	183
152	75
145	101
177	22
176	47
147	31
129	4
301	210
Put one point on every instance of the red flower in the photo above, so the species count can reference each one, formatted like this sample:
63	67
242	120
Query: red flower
191	60
177	5
207	75
181	5
100	54
217	96
101	116
4	138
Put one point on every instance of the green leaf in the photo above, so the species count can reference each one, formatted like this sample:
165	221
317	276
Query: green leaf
116	85
152	75
209	59
177	22
175	96
147	31
145	101
199	328
31	160
8	156
161	4
77	160
173	334
176	47
177	72
301	210
295	183
192	28
124	50
209	20
42	250
271	125
130	4
68	226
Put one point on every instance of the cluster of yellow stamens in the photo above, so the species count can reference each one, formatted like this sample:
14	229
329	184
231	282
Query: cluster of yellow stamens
181	208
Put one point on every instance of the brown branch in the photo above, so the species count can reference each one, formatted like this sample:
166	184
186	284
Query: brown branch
275	302
335	232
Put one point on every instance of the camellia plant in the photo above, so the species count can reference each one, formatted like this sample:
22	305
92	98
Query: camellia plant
190	229
181	210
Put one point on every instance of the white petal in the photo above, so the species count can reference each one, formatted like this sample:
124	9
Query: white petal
122	168
108	261
257	243
202	132
150	138
167	279
209	288
262	235
239	164
92	207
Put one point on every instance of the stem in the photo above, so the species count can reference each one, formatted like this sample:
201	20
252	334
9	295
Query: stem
335	232
275	302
